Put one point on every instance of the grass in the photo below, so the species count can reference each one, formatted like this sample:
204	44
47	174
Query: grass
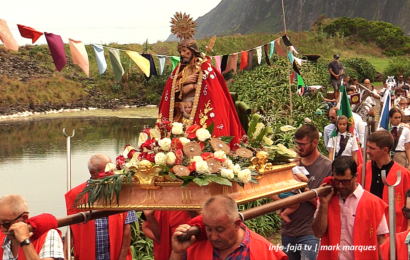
379	63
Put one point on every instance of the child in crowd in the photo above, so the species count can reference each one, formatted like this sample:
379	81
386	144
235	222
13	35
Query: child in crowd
300	174
343	143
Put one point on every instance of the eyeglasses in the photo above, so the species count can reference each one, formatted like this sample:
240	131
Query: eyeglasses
344	182
7	225
332	117
406	212
302	145
402	103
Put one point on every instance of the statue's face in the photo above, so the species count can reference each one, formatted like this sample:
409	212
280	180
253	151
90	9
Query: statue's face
186	55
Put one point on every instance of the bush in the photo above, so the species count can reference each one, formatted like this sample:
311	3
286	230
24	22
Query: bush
397	66
360	68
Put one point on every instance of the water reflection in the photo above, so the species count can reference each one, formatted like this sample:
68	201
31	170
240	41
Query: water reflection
33	155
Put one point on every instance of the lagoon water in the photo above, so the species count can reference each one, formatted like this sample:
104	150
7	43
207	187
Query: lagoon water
33	155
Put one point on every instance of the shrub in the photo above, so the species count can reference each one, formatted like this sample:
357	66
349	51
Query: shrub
397	66
360	68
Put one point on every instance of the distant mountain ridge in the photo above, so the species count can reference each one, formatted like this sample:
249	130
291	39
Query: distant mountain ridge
265	16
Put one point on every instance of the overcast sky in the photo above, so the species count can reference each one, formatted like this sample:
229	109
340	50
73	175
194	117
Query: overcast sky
104	21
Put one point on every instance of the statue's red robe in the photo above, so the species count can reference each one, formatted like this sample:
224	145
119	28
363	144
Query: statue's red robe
215	91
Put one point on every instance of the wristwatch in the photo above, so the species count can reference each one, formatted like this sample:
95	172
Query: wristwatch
25	242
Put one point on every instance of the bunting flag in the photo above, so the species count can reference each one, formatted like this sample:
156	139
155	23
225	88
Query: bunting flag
292	77
115	58
161	61
218	63
295	68
224	62
140	61
286	40
384	116
265	48
259	54
232	64
244	60
344	109
99	54
79	55
278	48
250	59
6	37
152	68
175	61
298	61
272	49
56	46
293	49
290	56
302	89
29	33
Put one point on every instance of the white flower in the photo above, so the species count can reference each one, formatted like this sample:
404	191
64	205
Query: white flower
286	128
236	168
258	129
127	150
228	164
135	157
184	140
197	159
171	158
177	128
227	173
161	159
202	134
267	141
245	175
154	133
202	167
110	167
220	154
142	138
165	144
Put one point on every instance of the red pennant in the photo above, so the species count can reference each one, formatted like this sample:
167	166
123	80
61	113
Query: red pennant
244	60
29	33
292	77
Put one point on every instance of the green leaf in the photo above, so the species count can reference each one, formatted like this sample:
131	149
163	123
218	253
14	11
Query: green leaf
226	139
172	176
211	128
166	168
118	187
201	181
252	125
186	182
219	180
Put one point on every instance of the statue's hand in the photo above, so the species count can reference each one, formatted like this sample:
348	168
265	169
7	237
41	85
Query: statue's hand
191	79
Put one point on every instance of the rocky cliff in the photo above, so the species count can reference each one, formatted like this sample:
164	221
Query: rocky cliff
254	16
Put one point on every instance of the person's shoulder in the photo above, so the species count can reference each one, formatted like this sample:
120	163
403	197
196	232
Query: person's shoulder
330	126
323	159
374	198
77	189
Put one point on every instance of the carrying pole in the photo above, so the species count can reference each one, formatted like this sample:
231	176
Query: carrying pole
68	236
366	130
392	212
290	84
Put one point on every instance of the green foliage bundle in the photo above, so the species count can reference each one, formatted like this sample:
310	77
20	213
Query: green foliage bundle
360	68
266	89
398	66
142	248
388	37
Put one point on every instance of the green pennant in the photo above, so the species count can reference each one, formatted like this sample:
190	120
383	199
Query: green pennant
175	61
344	109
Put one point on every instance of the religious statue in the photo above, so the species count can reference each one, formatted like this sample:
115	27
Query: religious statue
196	93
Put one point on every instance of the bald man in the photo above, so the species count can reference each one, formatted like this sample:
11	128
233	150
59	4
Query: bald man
227	236
14	214
104	238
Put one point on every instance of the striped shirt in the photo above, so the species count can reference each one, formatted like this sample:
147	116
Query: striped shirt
52	247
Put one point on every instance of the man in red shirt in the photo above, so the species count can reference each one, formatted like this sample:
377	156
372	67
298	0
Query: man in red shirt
379	145
227	236
350	222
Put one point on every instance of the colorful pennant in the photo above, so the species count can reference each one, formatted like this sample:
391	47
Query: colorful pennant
175	61
161	61
99	54
244	60
218	63
232	64
29	33
115	58
79	55
56	46
152	68
6	37
259	54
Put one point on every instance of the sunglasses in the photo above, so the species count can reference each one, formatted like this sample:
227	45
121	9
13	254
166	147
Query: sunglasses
344	182
7	225
406	212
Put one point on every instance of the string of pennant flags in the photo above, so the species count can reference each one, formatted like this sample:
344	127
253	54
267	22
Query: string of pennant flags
145	62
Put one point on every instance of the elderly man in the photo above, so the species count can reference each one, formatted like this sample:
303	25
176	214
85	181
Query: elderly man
14	213
227	236
402	238
351	224
379	145
104	238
